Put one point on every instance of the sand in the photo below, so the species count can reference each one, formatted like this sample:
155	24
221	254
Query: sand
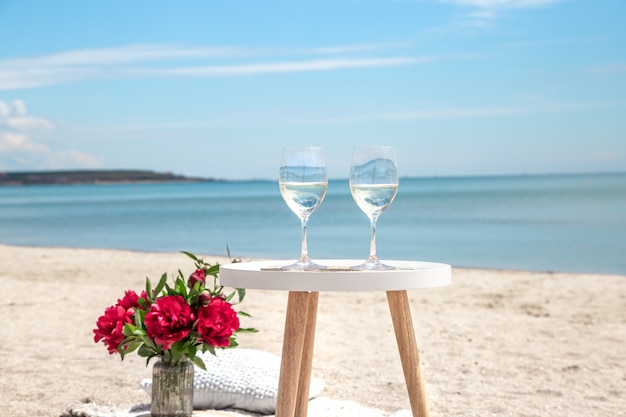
495	343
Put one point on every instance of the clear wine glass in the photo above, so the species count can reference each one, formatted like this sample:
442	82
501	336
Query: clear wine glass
303	182
374	185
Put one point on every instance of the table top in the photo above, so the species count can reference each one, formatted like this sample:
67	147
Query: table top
265	276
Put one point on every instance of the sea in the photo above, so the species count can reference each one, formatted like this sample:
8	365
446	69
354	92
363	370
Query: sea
565	223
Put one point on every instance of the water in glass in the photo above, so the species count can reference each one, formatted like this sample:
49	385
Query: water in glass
373	185
303	182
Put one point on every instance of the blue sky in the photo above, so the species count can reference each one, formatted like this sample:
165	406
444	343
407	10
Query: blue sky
216	89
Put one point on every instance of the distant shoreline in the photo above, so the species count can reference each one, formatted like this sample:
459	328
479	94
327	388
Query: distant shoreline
93	177
104	177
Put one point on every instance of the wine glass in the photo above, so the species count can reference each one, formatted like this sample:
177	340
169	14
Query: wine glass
373	185
303	182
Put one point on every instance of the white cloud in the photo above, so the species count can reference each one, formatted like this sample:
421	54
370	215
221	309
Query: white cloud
11	142
88	64
19	108
14	78
120	55
19	150
451	113
608	156
5	110
15	123
14	108
292	117
503	4
609	69
370	47
71	159
14	115
27	122
283	67
483	11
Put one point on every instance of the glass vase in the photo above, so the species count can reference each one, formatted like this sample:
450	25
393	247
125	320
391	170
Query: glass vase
172	389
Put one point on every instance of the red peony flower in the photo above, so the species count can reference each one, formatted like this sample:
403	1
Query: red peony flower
169	320
110	325
174	321
217	321
198	276
131	300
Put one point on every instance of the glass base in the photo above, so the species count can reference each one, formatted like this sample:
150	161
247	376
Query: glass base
303	265
374	265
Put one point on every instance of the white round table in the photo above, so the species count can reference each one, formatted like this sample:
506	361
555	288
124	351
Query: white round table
304	288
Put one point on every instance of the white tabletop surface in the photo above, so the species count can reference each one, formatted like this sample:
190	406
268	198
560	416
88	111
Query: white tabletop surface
264	276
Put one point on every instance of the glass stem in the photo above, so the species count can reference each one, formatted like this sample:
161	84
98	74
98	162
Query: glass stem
304	254
372	258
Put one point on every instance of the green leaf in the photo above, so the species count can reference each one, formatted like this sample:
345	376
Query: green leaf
181	288
241	293
128	329
212	270
140	333
191	350
209	348
143	302
149	289
120	348
150	358
243	314
121	351
177	351
133	346
139	319
180	275
247	330
160	285
150	344
198	362
191	255
145	351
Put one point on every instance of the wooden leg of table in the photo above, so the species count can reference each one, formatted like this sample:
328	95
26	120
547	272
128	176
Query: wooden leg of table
293	346
302	403
405	336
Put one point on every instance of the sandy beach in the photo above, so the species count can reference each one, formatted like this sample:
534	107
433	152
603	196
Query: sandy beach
495	343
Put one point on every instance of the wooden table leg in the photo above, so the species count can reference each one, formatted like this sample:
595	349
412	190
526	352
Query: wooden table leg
405	336
302	402
298	306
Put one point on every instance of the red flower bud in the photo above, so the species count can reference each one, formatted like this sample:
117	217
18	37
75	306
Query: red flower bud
197	276
204	298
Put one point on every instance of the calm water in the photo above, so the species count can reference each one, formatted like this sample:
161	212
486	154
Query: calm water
562	223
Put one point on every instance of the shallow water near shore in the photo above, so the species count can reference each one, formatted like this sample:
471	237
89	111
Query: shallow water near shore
573	223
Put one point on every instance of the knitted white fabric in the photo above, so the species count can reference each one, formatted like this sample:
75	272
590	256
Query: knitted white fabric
245	379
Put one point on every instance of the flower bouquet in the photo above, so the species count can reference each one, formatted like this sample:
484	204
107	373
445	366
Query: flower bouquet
172	323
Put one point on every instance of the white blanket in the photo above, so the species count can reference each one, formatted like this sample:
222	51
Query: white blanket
318	407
